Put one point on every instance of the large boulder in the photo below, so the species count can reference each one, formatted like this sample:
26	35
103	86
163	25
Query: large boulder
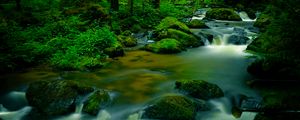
96	101
114	51
55	97
197	24
188	40
199	89
170	22
263	21
167	45
238	40
223	14
171	107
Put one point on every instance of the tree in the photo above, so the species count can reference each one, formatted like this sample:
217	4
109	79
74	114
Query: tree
130	6
114	5
18	4
156	3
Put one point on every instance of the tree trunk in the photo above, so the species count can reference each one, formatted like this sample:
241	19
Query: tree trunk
18	4
156	3
130	6
114	5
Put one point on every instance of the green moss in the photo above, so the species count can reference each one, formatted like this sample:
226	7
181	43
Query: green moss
199	89
114	51
262	21
55	97
170	22
197	24
188	40
171	107
165	46
98	100
127	41
223	14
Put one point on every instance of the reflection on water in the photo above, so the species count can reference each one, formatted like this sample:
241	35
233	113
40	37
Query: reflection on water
141	76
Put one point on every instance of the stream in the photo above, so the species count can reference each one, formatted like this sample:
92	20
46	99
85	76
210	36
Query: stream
141	76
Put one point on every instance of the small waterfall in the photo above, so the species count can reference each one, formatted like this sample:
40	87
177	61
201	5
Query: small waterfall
221	39
2	108
14	115
245	16
103	115
135	116
248	116
78	109
200	14
221	109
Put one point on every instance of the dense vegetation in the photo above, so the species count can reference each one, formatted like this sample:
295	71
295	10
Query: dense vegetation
73	35
277	46
86	34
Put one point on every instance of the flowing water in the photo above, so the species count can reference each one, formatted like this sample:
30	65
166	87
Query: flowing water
141	76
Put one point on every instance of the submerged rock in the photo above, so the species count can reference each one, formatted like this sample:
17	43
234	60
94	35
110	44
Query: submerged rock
171	107
223	14
199	89
96	101
238	40
55	97
167	45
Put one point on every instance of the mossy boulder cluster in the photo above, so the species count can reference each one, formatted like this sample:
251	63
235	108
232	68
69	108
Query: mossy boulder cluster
199	89
223	14
183	106
172	30
59	97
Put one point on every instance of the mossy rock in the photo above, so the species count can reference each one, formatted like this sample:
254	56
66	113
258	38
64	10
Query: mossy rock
188	40
197	24
127	41
55	97
199	89
171	107
126	33
170	22
167	45
114	51
96	101
236	112
262	21
223	14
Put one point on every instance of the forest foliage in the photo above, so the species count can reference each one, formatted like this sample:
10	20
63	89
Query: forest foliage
277	46
71	35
